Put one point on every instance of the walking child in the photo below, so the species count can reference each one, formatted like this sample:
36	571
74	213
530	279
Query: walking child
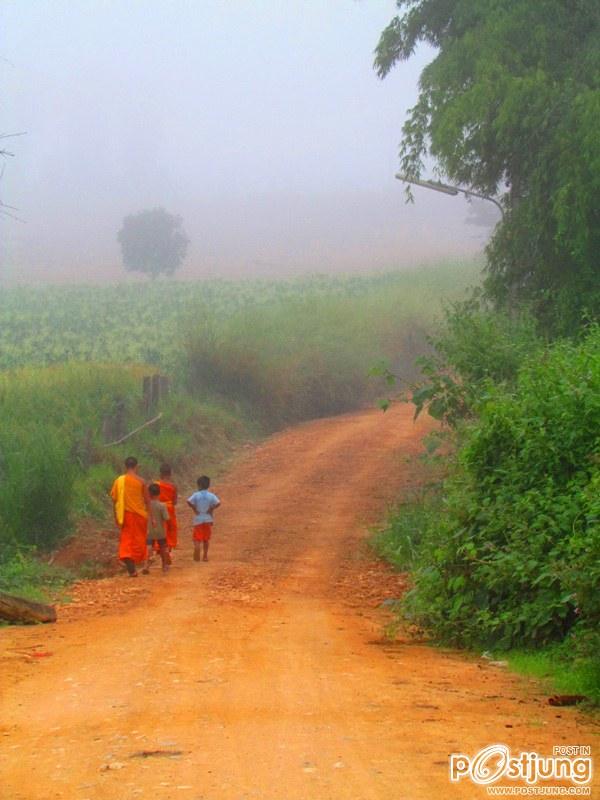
168	496
157	529
203	503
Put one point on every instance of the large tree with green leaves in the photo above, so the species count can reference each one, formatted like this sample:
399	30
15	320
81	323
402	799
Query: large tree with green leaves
510	106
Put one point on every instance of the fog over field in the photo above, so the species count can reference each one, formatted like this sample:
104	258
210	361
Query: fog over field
261	123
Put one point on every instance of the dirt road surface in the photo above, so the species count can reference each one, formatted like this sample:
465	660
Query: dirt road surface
263	674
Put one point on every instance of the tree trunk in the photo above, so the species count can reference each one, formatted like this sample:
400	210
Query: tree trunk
17	609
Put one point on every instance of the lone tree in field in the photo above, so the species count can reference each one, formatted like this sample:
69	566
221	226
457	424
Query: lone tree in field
153	242
510	105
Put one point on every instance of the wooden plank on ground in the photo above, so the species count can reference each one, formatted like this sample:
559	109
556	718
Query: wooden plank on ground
17	609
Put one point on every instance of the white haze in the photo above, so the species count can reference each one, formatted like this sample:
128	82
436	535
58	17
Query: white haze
261	123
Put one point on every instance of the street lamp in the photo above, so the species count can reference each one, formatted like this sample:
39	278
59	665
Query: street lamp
444	188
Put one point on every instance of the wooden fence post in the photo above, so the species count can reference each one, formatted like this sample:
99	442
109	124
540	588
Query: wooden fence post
164	386
120	428
147	389
155	391
107	430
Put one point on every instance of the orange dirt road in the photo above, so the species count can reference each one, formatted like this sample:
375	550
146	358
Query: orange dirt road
263	675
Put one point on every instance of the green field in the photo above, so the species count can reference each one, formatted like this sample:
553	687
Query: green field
146	322
244	358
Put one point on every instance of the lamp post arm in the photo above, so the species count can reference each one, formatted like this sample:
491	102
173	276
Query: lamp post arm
469	193
445	188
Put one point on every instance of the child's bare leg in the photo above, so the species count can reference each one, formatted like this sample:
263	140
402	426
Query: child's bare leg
205	550
196	551
146	561
164	556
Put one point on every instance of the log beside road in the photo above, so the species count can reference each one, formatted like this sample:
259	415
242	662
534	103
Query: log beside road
17	609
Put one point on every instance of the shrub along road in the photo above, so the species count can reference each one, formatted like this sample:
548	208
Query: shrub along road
263	674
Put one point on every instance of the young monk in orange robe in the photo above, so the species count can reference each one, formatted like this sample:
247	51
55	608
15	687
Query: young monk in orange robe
131	503
168	496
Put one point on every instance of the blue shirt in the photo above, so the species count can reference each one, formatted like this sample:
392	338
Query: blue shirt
203	501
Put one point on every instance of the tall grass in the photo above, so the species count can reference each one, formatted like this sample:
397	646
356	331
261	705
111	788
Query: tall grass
51	432
54	464
309	355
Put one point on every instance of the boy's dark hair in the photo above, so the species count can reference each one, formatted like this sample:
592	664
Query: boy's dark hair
203	482
131	462
154	489
165	470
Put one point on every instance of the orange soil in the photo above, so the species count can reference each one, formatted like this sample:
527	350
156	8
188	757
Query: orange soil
263	674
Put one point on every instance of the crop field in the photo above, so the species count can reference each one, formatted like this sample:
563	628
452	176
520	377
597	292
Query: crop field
147	322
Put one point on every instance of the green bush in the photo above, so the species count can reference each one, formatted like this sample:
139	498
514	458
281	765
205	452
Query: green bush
476	348
513	560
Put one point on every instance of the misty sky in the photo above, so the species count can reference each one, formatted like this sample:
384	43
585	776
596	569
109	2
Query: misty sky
261	122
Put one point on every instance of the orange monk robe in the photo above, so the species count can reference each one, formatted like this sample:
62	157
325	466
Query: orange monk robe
168	496
128	493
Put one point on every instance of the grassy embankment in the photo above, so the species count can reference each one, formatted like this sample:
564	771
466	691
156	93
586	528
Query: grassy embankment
244	358
503	548
56	467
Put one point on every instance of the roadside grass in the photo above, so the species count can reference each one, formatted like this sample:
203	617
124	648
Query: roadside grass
26	576
194	436
505	558
400	540
557	671
397	541
55	466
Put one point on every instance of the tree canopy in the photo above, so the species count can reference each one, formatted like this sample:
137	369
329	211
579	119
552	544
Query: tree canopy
153	241
510	106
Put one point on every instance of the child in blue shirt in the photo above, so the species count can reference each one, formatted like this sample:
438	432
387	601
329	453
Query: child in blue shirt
203	503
